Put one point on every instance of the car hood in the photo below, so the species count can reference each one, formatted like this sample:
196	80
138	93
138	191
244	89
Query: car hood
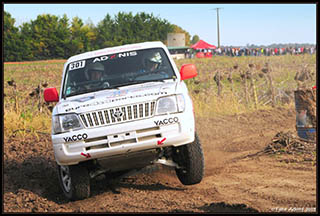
116	97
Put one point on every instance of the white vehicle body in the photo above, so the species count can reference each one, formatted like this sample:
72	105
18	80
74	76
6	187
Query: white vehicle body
122	136
120	110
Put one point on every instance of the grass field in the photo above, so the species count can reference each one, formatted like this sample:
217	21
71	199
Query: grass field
224	86
244	85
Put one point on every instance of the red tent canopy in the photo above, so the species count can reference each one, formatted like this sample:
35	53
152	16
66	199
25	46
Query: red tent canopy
203	45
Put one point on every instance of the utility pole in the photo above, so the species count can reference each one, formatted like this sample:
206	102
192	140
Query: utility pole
218	30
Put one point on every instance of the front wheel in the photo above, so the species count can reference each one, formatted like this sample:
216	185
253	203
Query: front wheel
190	159
74	181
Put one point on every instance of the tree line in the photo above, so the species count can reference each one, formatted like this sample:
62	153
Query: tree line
53	37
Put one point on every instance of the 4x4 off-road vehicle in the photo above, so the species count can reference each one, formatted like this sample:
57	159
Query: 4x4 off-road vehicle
120	110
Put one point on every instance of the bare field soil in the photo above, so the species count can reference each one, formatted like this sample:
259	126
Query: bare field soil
240	175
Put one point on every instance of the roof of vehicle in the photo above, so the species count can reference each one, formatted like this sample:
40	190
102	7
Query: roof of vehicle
117	49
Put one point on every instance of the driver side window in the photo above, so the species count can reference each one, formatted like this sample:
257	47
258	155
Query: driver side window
77	76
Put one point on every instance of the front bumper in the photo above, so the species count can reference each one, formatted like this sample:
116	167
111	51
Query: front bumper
156	132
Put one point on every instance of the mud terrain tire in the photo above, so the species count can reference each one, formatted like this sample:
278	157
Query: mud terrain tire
74	181
190	158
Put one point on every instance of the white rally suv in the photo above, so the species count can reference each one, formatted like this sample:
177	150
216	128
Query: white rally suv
120	110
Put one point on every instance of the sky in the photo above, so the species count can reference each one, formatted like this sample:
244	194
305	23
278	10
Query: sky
239	24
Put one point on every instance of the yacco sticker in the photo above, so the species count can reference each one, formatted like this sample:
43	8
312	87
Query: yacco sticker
76	137
167	121
77	65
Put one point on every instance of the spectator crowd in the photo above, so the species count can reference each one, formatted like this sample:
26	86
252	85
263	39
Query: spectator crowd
231	51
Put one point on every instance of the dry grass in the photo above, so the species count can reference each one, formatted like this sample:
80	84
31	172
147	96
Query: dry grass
24	125
247	83
244	84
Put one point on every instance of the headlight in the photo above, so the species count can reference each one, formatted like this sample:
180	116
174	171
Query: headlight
180	102
170	104
65	123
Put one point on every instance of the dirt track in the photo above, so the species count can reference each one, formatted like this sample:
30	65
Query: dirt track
236	178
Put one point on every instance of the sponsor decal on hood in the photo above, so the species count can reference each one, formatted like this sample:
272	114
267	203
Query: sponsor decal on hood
84	99
99	98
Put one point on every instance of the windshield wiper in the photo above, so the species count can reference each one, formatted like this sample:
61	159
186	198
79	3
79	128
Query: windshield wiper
89	90
79	92
138	82
107	87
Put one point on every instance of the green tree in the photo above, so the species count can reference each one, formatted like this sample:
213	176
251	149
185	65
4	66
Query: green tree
62	38
82	36
88	31
126	28
26	36
104	32
76	43
123	31
195	39
51	37
12	44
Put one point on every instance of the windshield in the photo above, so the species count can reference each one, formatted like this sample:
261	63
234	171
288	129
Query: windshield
116	70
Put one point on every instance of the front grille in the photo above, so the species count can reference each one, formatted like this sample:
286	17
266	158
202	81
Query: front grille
118	114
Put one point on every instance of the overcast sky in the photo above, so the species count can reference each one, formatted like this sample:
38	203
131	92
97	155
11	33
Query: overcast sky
240	24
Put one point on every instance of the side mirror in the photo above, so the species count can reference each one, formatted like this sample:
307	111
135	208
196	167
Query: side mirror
188	71
51	95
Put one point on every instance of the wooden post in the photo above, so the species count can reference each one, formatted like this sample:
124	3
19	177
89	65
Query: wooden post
219	83
39	106
16	102
272	90
15	96
231	80
217	79
246	89
254	89
254	93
